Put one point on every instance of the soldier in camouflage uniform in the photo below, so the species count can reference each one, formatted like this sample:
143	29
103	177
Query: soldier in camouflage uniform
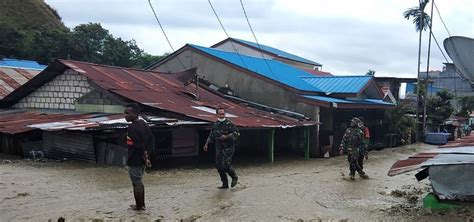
224	134
351	143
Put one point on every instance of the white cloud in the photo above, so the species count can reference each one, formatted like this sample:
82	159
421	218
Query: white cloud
347	37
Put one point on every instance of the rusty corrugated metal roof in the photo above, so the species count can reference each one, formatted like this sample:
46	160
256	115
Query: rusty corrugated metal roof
12	77
15	121
164	91
452	153
102	122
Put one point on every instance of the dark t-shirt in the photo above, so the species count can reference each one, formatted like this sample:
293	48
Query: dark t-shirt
139	139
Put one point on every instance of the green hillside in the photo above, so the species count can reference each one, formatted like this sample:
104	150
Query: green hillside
31	29
29	15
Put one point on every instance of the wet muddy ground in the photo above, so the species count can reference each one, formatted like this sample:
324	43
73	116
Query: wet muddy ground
287	190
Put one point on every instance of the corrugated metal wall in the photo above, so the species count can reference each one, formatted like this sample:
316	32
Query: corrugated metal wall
70	145
108	153
184	142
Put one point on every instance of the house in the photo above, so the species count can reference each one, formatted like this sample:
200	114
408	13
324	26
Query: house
331	100
249	48
449	78
75	106
14	73
390	86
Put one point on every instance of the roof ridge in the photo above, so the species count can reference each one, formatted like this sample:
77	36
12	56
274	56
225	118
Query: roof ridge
109	66
293	83
278	52
334	76
222	50
22	60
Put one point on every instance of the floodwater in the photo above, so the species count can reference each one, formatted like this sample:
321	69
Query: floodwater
286	190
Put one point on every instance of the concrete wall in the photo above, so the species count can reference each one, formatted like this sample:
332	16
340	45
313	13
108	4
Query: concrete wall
243	84
96	101
59	93
298	65
245	50
451	80
326	119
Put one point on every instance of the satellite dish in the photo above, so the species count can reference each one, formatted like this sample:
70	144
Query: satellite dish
461	50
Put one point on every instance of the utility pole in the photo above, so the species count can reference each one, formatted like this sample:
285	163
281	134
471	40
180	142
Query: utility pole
418	78
427	81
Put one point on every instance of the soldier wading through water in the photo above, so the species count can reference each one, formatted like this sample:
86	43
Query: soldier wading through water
224	134
139	140
351	144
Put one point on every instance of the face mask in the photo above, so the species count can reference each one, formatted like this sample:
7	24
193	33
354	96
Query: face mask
221	119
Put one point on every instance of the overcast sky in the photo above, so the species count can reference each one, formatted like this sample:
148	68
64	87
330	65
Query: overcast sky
347	37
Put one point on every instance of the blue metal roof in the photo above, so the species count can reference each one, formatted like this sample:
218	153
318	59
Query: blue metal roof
336	100
338	84
278	52
23	64
280	71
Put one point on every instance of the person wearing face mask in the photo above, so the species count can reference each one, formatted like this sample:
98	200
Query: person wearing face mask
223	134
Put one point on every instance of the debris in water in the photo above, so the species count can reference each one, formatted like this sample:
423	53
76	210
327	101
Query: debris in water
23	194
398	193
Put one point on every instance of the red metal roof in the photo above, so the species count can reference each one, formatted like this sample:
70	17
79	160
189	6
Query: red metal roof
164	91
464	146
466	141
12	78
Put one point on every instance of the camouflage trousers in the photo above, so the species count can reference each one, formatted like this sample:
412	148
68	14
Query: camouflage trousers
224	164
354	164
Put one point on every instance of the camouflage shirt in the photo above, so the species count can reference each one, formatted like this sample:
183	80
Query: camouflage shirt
225	127
352	140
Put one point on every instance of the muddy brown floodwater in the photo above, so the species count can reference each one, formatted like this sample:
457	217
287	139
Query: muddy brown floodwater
287	190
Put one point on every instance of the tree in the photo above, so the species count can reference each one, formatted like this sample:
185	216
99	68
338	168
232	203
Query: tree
467	105
398	119
145	60
11	40
47	45
439	108
31	29
400	123
370	73
421	21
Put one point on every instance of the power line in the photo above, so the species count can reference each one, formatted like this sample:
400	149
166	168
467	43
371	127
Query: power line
164	33
442	21
227	34
255	37
454	46
439	47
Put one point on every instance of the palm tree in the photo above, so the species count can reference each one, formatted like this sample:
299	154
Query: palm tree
418	15
421	21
